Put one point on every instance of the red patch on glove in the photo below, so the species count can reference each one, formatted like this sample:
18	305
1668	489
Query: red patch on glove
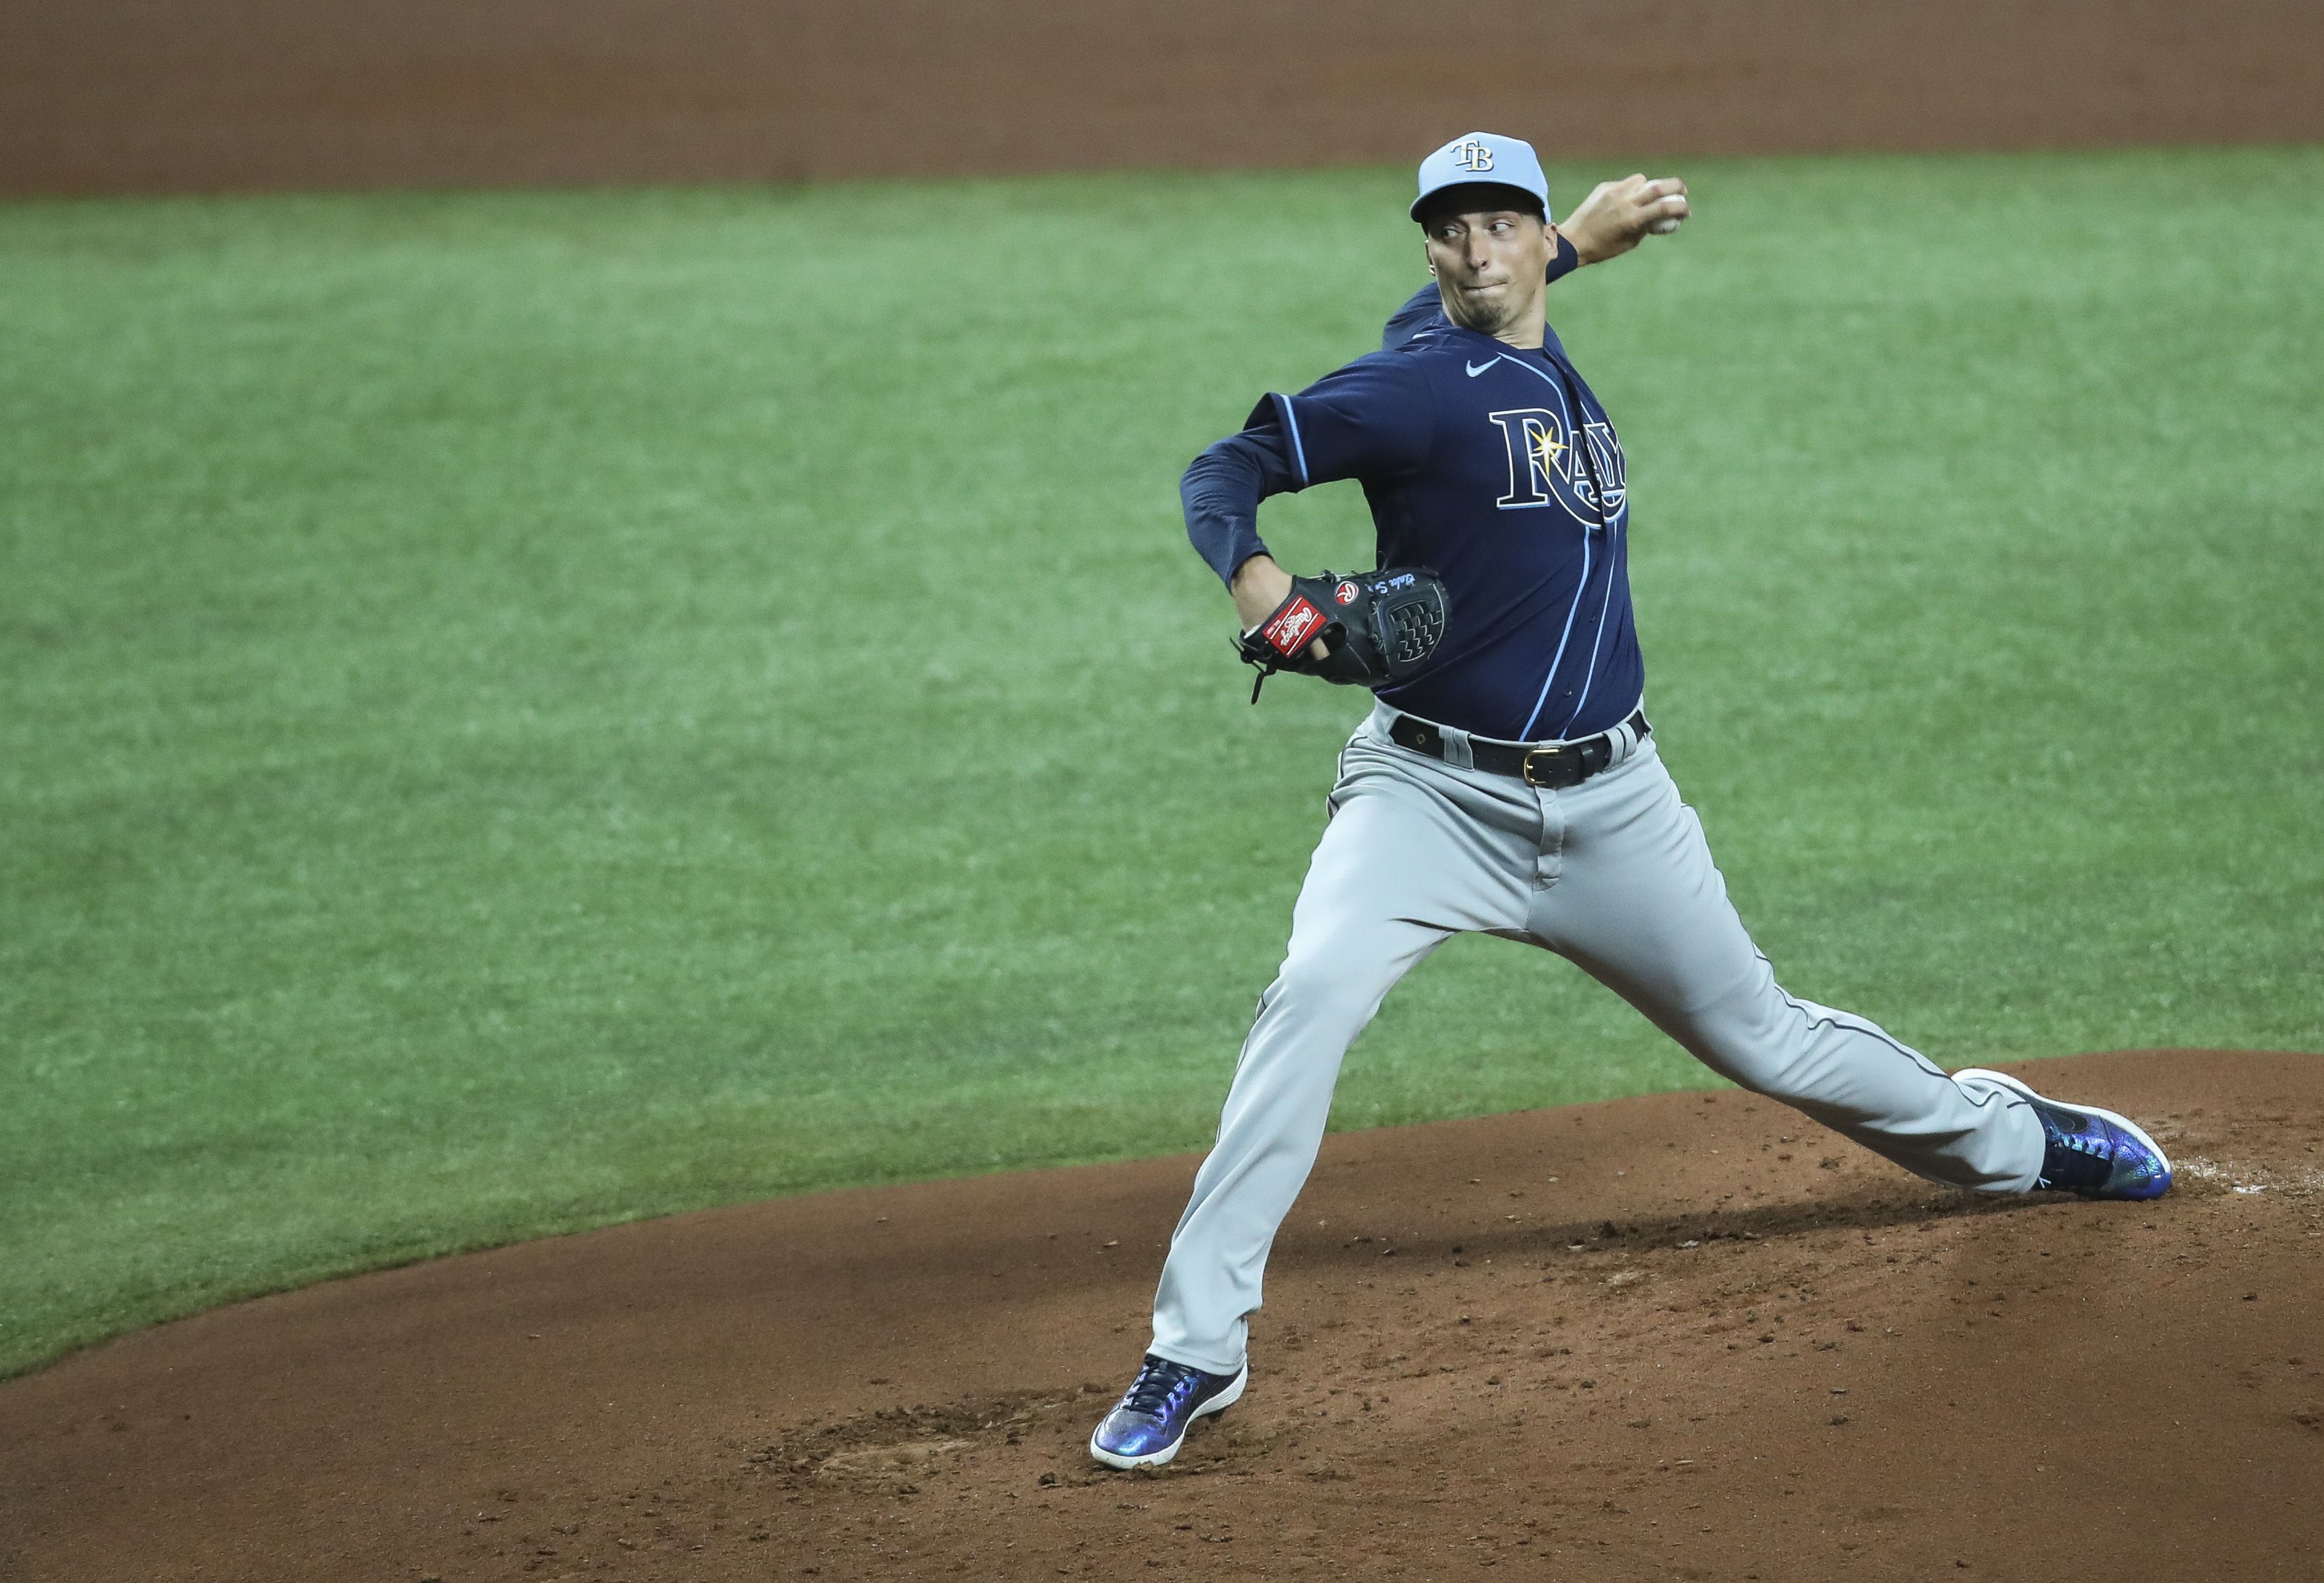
1290	628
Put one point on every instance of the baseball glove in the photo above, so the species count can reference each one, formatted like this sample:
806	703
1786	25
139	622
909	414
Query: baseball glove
1379	626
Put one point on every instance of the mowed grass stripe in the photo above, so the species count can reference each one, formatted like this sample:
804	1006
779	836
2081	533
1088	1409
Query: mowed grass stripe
524	711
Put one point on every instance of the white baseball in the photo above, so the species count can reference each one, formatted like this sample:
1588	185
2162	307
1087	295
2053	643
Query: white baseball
1663	227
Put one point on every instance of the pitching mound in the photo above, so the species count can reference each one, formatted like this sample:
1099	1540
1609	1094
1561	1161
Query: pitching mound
1687	1336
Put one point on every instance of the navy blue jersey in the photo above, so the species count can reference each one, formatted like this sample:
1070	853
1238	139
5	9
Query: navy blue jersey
1496	467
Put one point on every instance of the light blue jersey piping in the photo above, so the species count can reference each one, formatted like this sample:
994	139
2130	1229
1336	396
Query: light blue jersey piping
1291	427
1582	588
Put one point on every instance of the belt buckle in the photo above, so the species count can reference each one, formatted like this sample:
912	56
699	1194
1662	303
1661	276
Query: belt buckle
1556	756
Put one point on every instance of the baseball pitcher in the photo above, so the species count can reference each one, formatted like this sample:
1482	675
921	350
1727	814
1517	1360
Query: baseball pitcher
1506	780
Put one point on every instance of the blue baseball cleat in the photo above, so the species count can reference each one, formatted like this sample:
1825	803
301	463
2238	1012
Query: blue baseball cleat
1148	1425
2086	1150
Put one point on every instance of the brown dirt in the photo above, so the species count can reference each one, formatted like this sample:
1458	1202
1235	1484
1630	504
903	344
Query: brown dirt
1687	1336
164	95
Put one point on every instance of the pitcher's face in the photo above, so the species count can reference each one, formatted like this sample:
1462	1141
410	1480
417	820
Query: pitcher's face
1490	265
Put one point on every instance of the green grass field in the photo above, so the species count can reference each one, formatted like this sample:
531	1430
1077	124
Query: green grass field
525	711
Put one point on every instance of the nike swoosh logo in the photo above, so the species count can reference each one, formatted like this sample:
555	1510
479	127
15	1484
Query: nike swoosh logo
1477	368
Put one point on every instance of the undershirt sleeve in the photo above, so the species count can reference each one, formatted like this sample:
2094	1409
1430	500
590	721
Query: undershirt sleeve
1221	494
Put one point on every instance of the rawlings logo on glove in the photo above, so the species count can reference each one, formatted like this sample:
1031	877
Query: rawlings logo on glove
1375	627
1292	627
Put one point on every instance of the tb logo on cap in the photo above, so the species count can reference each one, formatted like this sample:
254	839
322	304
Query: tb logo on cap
1469	154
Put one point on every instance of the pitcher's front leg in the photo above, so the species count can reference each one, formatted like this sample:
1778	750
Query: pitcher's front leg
1398	871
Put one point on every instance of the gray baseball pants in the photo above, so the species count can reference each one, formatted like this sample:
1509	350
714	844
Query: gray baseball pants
1613	875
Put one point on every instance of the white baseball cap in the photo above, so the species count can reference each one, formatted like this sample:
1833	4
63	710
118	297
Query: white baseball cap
1478	157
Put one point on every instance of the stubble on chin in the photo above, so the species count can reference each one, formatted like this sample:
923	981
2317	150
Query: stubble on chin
1486	314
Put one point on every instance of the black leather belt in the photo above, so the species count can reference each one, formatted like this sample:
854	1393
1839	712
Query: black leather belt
1558	764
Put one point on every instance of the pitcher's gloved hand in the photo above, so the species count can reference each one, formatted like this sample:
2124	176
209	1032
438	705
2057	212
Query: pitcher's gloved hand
1377	627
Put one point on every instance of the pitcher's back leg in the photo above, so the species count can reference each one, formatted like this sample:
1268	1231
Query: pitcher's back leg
1640	906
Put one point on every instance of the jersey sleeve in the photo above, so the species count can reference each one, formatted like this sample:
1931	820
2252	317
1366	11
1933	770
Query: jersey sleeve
1370	419
1373	419
1425	309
